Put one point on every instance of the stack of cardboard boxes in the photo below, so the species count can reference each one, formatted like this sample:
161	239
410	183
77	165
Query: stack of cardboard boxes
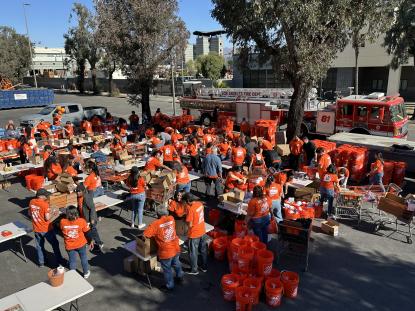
233	200
146	248
161	185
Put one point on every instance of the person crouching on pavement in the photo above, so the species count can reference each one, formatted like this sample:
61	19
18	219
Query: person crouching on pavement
164	232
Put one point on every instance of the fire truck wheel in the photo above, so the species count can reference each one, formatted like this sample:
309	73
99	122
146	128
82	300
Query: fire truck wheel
360	131
206	119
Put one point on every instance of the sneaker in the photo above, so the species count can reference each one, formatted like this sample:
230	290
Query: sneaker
193	272
132	226
41	265
204	270
87	274
101	247
142	226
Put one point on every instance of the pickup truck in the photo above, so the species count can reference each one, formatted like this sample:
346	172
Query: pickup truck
73	112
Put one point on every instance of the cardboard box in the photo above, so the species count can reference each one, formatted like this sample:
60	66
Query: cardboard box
57	200
51	188
146	175
305	194
122	155
283	149
145	246
181	227
144	267
65	183
233	200
2	166
130	264
392	204
330	227
127	162
36	159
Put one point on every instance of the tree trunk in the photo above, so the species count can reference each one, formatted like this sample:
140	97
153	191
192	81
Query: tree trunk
356	68
296	111
94	79
110	83
145	99
81	77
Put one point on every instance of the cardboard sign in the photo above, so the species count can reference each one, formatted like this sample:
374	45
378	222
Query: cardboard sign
326	122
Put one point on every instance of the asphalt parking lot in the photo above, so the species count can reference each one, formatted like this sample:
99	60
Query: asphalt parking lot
358	270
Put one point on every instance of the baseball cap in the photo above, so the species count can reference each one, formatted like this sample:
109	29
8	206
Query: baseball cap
43	192
162	211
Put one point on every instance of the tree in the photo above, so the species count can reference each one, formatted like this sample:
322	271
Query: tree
400	39
190	67
144	35
302	38
210	66
109	64
369	19
81	44
15	59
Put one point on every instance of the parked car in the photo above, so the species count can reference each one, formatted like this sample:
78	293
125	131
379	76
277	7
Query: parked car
73	112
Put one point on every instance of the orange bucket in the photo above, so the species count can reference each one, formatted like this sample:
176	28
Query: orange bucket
241	228
219	248
245	258
273	292
243	299
55	279
251	238
274	274
28	180
214	216
237	244
264	262
230	283
36	182
290	281
255	286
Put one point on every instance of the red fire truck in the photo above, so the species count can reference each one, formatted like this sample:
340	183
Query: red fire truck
373	114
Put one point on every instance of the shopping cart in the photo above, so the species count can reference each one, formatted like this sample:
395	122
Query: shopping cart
348	205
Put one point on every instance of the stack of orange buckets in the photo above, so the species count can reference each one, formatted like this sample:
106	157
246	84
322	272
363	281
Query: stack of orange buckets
252	272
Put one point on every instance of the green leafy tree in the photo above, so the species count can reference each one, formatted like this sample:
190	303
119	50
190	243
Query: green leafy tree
15	59
400	39
369	19
144	35
210	66
302	37
108	64
190	68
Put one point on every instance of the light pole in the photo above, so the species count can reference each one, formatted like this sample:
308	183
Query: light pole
172	87
30	44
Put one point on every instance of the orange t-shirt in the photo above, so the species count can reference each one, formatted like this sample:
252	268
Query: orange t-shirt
232	182
87	126
46	155
74	152
177	208
183	177
244	127
296	147
238	155
69	130
74	233
274	191
168	152
175	137
133	118
57	120
266	145
91	182
328	181
257	160
38	209
207	138
155	141
323	164
379	166
164	232
149	132
71	171
54	171
192	150
224	148
140	188
152	164
258	208
196	216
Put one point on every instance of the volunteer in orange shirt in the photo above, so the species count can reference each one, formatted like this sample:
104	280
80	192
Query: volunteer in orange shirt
343	174
296	149
329	184
323	161
57	118
25	151
52	168
93	180
238	154
182	177
134	121
196	234
169	152
257	160
44	128
74	230
265	144
274	192
258	213
236	179
116	147
69	131
47	151
244	126
87	126
376	172
164	232
193	150
176	205
153	163
69	169
137	187
39	212
224	149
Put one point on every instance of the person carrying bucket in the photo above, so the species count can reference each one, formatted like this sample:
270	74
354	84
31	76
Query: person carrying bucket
376	172
258	213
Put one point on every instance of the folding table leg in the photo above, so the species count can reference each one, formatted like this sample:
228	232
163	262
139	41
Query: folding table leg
148	280
74	304
22	249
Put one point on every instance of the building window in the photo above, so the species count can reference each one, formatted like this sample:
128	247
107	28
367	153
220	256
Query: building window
377	85
404	85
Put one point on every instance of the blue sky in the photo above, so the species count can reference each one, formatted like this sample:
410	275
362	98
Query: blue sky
48	19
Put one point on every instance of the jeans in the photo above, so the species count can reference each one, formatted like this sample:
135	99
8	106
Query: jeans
377	180
276	210
49	236
218	185
166	265
260	227
328	194
94	234
185	187
82	254
99	191
196	245
137	205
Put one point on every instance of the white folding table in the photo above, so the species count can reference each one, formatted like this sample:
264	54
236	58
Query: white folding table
18	230
107	200
299	183
44	297
123	168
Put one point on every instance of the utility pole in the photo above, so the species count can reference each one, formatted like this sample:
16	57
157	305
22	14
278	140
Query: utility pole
183	76
172	87
30	44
